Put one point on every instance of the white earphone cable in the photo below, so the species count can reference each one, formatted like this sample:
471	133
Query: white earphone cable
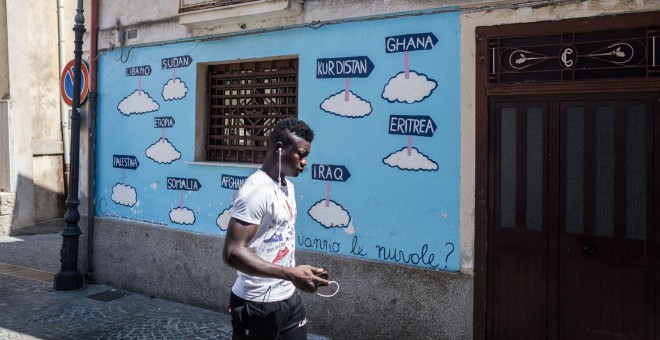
330	295
279	167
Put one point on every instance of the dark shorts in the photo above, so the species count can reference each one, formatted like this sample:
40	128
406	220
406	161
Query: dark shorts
283	320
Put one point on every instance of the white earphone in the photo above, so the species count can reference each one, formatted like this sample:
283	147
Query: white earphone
279	167
333	294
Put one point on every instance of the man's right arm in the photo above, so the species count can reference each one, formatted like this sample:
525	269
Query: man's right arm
238	255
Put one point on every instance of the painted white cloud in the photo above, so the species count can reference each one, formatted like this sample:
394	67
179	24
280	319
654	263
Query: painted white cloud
416	160
350	229
124	194
414	89
154	185
355	107
174	89
332	216
182	215
223	218
137	102
163	152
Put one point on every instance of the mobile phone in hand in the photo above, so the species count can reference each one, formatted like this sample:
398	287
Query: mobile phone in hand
323	275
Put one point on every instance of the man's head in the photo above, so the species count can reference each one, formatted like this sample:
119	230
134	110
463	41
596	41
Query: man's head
294	137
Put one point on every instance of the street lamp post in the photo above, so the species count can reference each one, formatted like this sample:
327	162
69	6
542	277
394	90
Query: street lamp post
69	277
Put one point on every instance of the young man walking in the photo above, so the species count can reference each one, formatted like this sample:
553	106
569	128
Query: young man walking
260	243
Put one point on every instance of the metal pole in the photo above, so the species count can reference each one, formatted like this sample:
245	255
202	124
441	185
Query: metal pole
69	277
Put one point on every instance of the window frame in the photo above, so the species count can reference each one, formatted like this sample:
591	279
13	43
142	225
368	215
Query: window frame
204	109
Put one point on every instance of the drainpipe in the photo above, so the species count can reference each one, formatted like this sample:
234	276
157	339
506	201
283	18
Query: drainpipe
91	141
64	112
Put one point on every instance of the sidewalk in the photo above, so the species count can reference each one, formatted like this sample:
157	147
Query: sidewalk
30	309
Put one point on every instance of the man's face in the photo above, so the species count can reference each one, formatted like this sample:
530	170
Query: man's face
294	157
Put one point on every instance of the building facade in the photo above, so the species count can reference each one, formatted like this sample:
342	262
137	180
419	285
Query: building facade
36	42
479	167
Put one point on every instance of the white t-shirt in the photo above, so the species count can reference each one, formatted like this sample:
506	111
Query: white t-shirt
263	202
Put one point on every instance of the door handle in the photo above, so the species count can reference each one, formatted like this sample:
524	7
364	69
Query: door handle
589	248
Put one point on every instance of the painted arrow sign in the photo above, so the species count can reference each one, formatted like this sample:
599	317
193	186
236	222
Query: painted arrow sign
176	62
125	162
176	183
134	71
232	182
410	42
163	122
328	172
347	67
412	126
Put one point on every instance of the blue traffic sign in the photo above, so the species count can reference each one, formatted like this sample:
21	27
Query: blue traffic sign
176	62
412	126
410	42
232	182
125	162
329	172
347	67
189	184
163	122
144	70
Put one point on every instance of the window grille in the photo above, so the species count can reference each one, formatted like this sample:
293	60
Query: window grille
246	101
563	57
196	5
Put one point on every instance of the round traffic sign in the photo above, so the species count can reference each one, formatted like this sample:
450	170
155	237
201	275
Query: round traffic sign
66	82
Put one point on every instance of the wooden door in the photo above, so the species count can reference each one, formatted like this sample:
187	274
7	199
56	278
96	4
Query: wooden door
571	218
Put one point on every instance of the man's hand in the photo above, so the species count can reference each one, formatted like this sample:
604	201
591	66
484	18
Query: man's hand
306	277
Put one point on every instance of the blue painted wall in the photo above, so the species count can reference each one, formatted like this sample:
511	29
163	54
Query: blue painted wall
401	202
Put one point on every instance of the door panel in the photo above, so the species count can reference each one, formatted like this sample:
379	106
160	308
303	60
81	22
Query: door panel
571	218
520	282
605	270
520	232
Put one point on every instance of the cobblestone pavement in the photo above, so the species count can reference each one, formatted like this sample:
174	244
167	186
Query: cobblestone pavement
30	309
32	251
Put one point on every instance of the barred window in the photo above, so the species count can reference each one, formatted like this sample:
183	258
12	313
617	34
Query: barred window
246	100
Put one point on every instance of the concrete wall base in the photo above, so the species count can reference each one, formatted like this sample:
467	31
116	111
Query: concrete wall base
45	227
7	200
376	301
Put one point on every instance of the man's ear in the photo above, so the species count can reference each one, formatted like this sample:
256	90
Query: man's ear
278	147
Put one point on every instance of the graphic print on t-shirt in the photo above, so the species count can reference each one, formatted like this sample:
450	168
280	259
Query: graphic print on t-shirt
275	238
281	254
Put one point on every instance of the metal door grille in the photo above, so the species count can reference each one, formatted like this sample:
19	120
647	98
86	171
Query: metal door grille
246	102
565	57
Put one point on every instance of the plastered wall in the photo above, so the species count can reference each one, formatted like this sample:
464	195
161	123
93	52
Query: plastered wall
383	181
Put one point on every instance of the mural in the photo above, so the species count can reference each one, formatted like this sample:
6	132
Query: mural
409	158
403	186
409	86
345	103
139	101
175	88
182	214
327	212
233	183
162	151
123	193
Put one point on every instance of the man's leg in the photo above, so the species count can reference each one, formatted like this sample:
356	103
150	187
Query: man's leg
295	327
255	320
